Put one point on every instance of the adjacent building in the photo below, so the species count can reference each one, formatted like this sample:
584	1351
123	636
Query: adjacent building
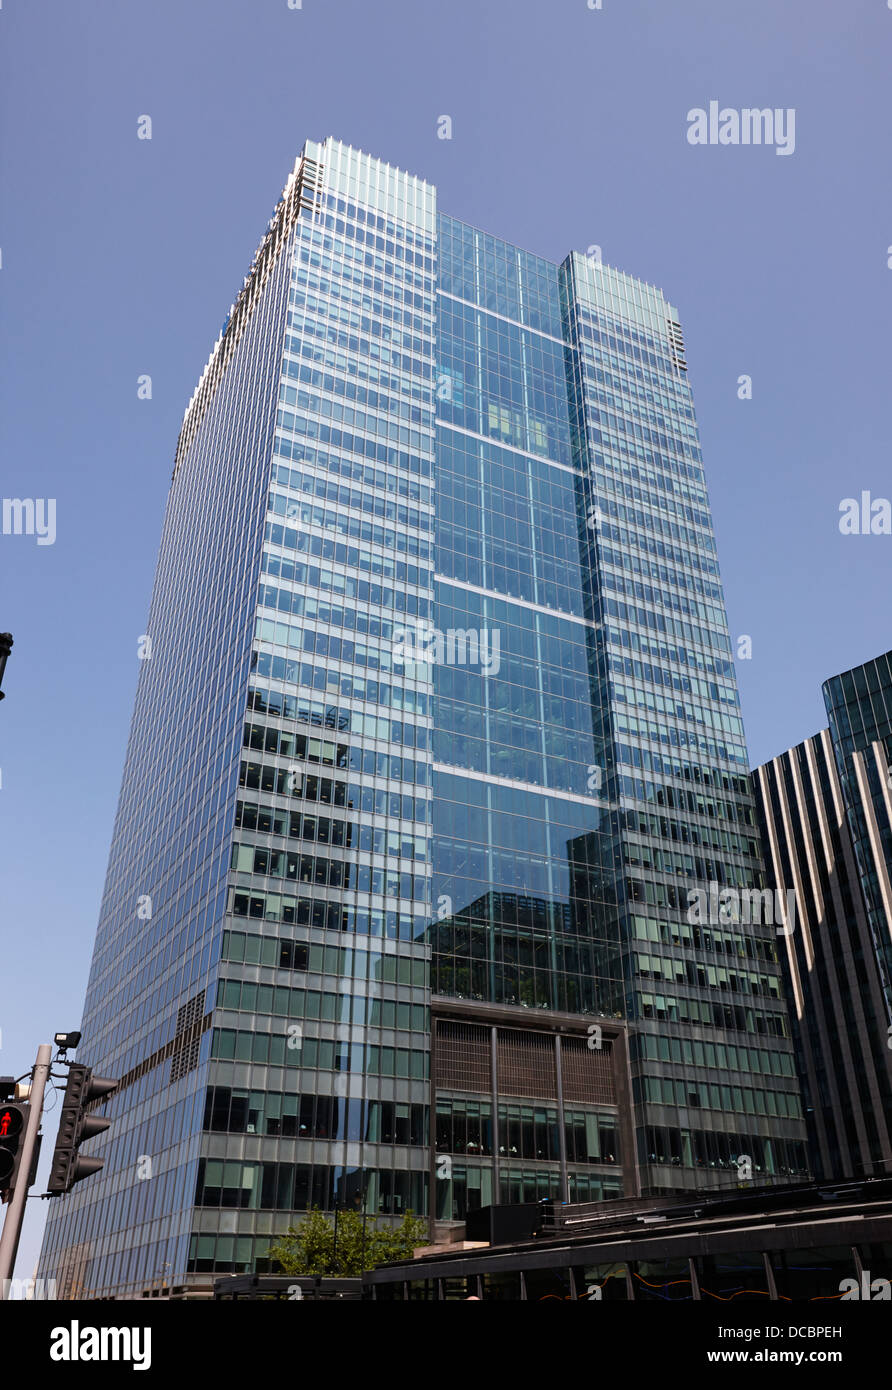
826	814
436	772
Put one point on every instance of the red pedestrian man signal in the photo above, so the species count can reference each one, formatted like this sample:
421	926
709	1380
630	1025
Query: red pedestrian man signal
10	1123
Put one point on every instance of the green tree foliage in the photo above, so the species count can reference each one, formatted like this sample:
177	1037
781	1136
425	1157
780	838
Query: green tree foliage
309	1247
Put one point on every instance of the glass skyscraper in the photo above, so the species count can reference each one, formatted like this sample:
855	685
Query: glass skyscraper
435	758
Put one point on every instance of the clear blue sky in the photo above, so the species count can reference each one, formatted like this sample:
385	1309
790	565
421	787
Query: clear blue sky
121	257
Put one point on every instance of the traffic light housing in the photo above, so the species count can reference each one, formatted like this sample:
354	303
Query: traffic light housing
76	1126
13	1122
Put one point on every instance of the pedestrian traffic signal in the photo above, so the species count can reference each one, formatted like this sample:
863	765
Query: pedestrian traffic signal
76	1126
13	1120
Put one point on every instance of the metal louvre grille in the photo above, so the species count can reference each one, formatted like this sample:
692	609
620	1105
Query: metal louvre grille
587	1073
187	1041
462	1059
526	1064
191	1012
676	344
184	1061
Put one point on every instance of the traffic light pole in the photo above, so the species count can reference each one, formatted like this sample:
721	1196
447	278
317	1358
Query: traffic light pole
12	1226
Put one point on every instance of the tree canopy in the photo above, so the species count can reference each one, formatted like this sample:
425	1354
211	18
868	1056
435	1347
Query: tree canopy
309	1247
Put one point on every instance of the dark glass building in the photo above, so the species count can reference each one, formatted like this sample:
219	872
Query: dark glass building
435	760
826	814
859	710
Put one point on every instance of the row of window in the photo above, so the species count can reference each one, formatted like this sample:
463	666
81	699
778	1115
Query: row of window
391	277
276	1050
289	1116
525	1131
528	943
360	591
630	469
670	736
386	313
627	543
328	916
468	1187
268	950
414	384
332	682
269	820
288	781
469	868
698	1053
343	440
708	1015
705	976
694	1148
665	575
394	325
285	864
338	553
457	558
686	833
298	1186
653	859
289	538
345	467
332	873
610	332
279	1000
305	711
342	494
328	383
672	678
670	593
313	331
386	968
296	783
669	708
708	1095
664	764
543	989
338	581
323	643
267	738
563	768
705	939
397	247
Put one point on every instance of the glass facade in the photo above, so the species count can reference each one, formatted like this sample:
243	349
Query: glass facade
330	860
585	792
524	858
438	705
712	1061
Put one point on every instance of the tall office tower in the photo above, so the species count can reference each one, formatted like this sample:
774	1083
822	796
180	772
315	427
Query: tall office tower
590	790
827	830
399	904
